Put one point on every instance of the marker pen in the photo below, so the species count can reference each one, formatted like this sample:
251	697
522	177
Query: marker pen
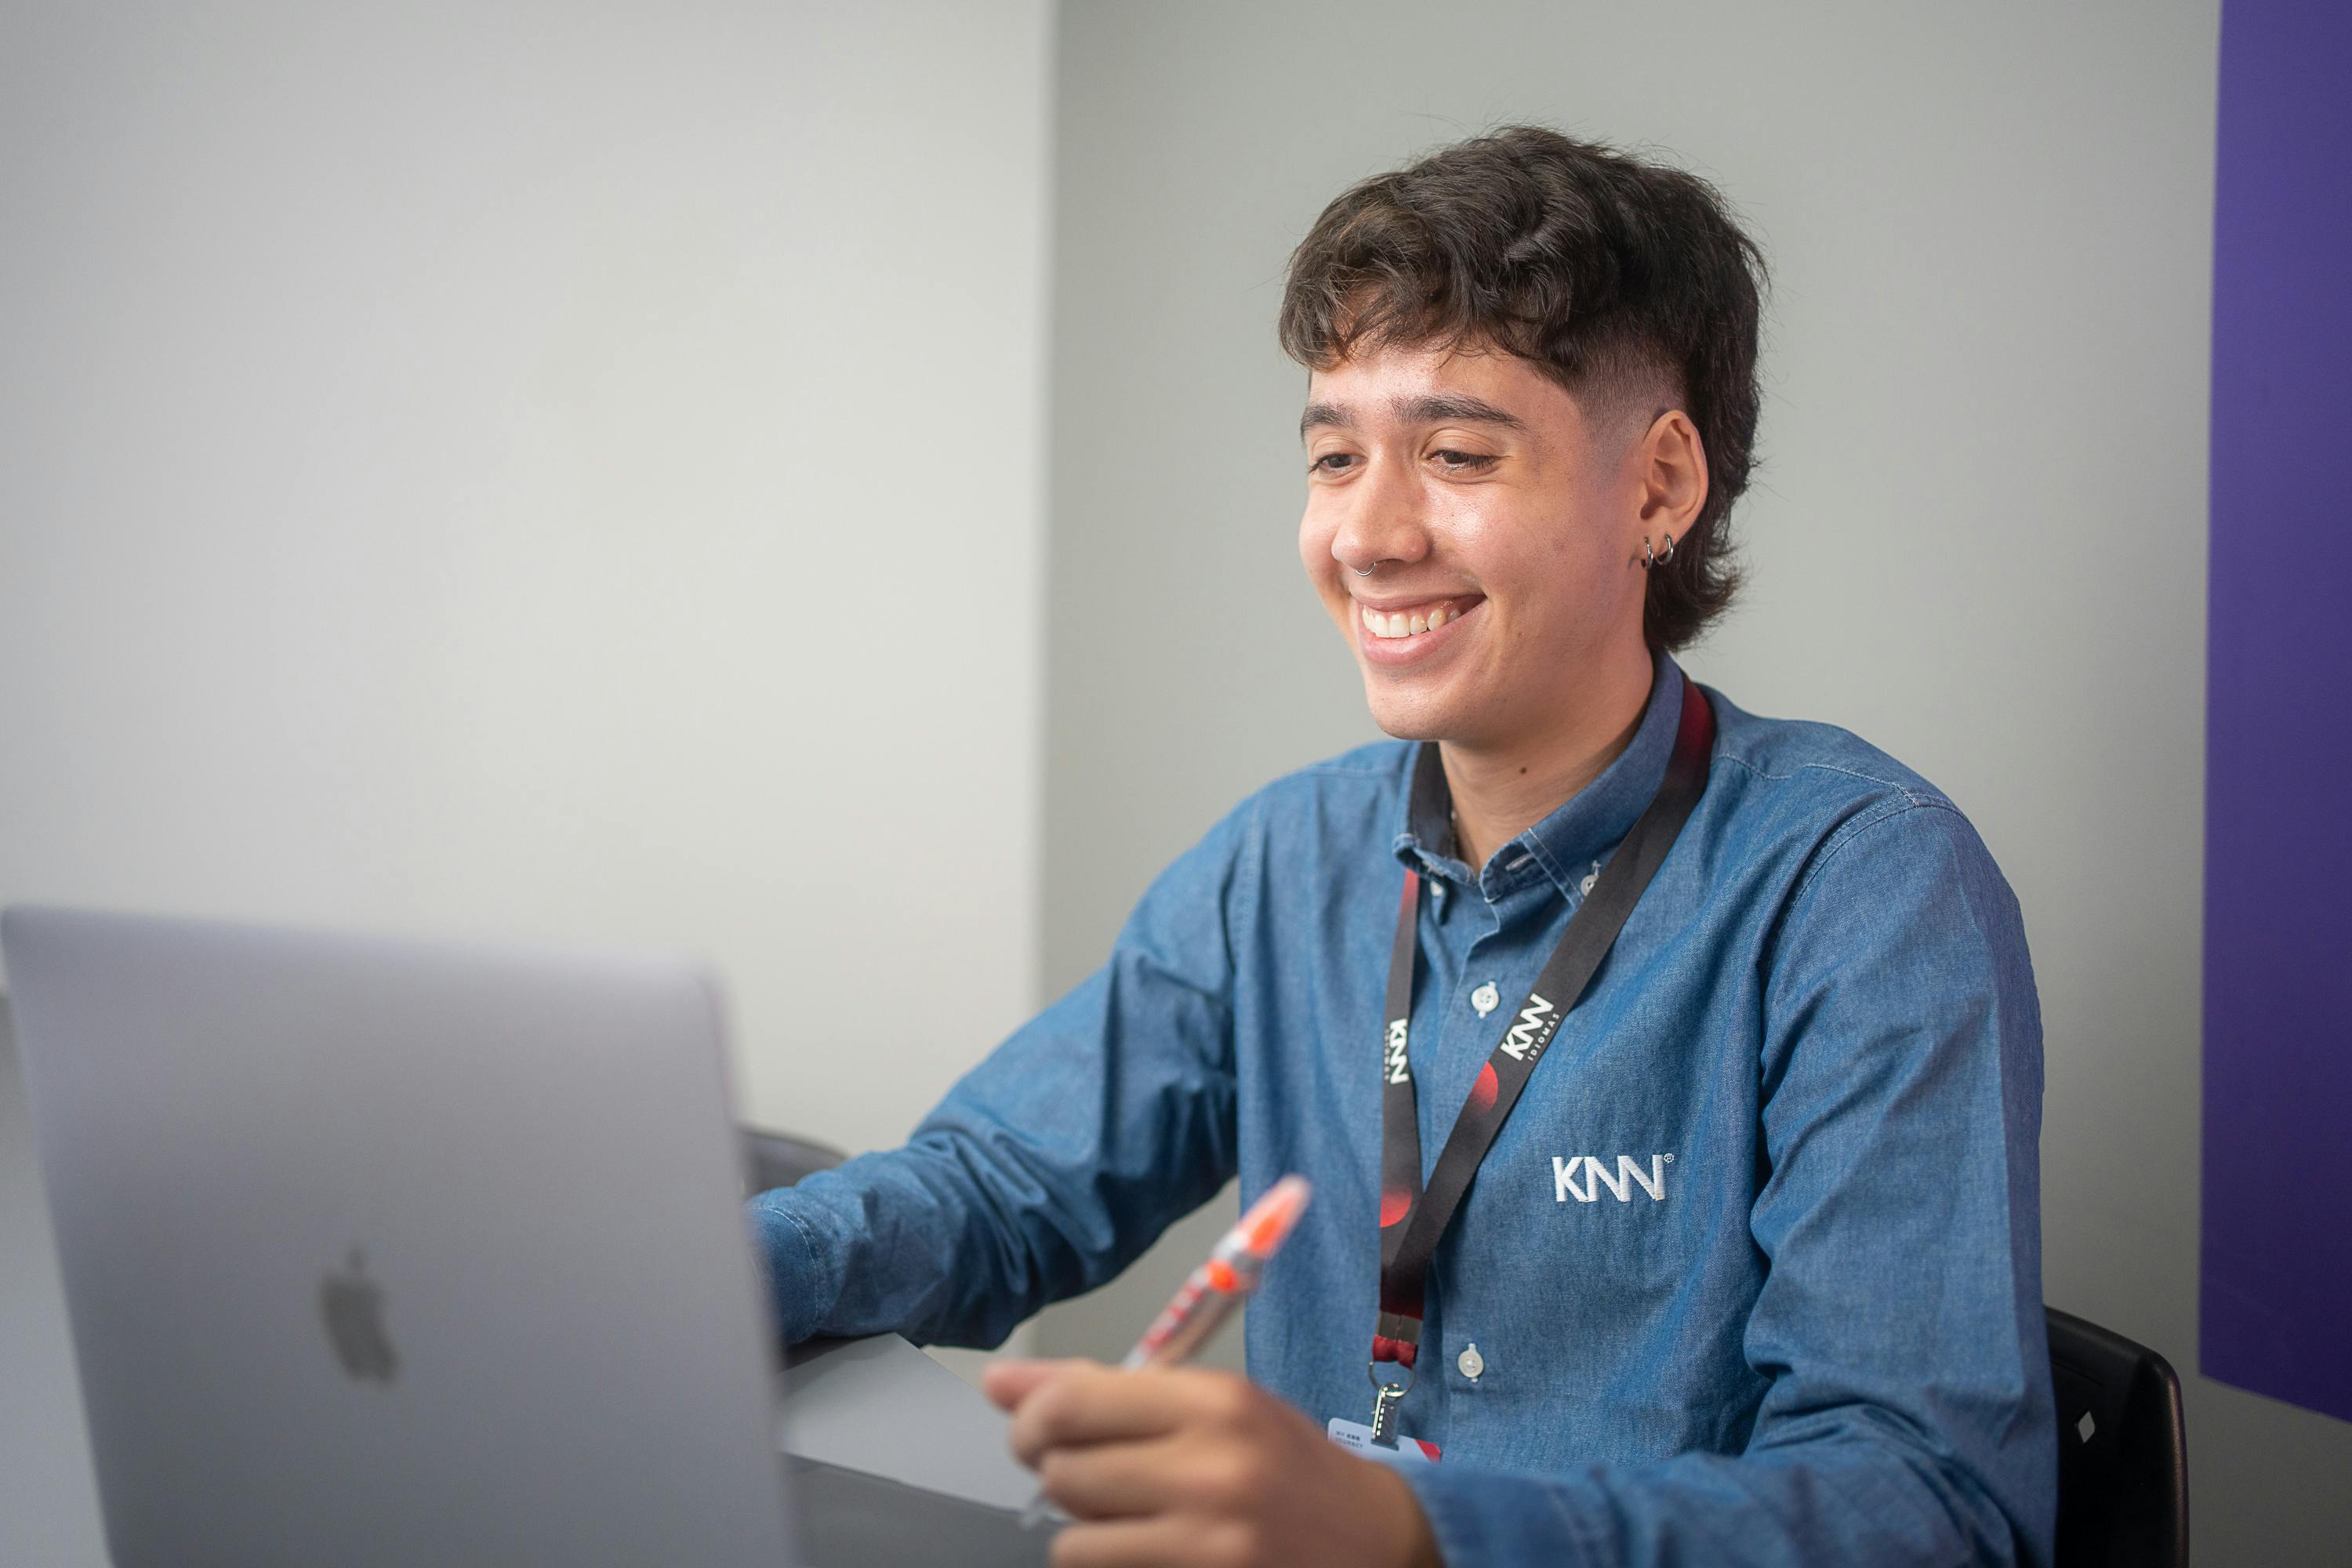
1211	1293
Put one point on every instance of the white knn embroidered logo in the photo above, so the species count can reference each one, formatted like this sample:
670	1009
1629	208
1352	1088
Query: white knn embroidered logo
1596	1175
1395	1057
1533	1031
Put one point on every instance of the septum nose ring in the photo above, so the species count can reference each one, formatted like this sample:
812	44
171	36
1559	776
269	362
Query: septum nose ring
1365	571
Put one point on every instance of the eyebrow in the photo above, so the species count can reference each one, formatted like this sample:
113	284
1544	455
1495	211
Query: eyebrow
1423	410
1331	414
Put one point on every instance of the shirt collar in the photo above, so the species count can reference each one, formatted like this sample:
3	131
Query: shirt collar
1565	845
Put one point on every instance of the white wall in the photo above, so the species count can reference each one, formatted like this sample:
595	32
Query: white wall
1978	536
543	470
555	471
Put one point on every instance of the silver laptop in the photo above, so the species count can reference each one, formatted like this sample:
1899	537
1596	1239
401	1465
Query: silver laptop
386	1252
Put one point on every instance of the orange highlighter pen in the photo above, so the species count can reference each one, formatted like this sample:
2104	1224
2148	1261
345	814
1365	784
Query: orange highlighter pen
1211	1293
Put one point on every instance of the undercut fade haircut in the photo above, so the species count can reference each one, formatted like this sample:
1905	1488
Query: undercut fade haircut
1627	282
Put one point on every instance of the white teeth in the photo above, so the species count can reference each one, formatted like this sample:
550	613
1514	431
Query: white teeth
1402	624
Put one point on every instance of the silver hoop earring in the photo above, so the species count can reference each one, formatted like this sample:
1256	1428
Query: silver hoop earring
1651	560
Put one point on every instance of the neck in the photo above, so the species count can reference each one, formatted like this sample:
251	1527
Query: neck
1503	789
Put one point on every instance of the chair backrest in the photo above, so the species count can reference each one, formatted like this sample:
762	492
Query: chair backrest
778	1159
2123	1450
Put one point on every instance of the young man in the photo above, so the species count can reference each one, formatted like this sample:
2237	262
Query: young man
1669	1078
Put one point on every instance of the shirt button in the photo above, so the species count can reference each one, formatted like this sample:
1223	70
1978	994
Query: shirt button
1485	998
1470	1363
1586	884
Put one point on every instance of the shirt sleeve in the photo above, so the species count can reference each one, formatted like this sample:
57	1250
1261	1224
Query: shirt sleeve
1908	1416
1055	1163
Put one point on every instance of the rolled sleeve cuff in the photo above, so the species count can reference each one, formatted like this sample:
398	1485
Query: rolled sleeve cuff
789	1257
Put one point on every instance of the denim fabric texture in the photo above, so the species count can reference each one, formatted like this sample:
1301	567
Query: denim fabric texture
1754	1269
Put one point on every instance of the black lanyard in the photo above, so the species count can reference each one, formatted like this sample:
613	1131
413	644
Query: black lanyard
1413	1221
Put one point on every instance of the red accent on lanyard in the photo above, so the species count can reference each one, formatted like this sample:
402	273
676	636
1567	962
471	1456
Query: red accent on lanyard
1413	1221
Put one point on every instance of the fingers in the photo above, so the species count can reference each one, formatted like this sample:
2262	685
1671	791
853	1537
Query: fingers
1079	1403
1199	1469
1114	1480
1148	1543
1008	1382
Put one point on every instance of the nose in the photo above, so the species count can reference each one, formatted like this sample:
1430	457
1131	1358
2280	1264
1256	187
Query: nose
1384	518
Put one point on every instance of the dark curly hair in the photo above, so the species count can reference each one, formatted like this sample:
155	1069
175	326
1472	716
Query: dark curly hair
1625	281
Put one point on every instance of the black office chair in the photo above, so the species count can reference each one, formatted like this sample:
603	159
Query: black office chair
778	1159
2123	1450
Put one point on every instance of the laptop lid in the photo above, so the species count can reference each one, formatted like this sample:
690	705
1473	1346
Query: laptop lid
394	1252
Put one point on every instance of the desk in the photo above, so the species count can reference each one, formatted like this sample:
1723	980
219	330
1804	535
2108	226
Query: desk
882	1405
855	1411
48	1498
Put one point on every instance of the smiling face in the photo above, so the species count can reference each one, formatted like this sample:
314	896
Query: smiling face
1504	532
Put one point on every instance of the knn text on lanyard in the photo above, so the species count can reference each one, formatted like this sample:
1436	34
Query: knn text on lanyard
1414	1220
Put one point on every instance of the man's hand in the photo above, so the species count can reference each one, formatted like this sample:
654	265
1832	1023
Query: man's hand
1185	1466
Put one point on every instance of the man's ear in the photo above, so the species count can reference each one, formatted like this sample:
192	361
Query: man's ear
1672	466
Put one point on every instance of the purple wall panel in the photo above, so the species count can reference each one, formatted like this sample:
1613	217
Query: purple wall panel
2276	1298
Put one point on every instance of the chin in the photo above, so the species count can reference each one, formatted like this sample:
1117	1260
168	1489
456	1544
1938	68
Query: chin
1410	717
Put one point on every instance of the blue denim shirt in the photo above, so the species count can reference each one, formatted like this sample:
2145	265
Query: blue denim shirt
1819	1340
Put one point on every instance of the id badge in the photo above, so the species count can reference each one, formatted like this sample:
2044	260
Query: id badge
1356	1439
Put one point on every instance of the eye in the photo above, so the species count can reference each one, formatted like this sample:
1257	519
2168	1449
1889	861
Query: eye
1332	463
1458	462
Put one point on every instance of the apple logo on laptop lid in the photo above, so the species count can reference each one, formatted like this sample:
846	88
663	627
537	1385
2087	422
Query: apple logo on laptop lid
352	1305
